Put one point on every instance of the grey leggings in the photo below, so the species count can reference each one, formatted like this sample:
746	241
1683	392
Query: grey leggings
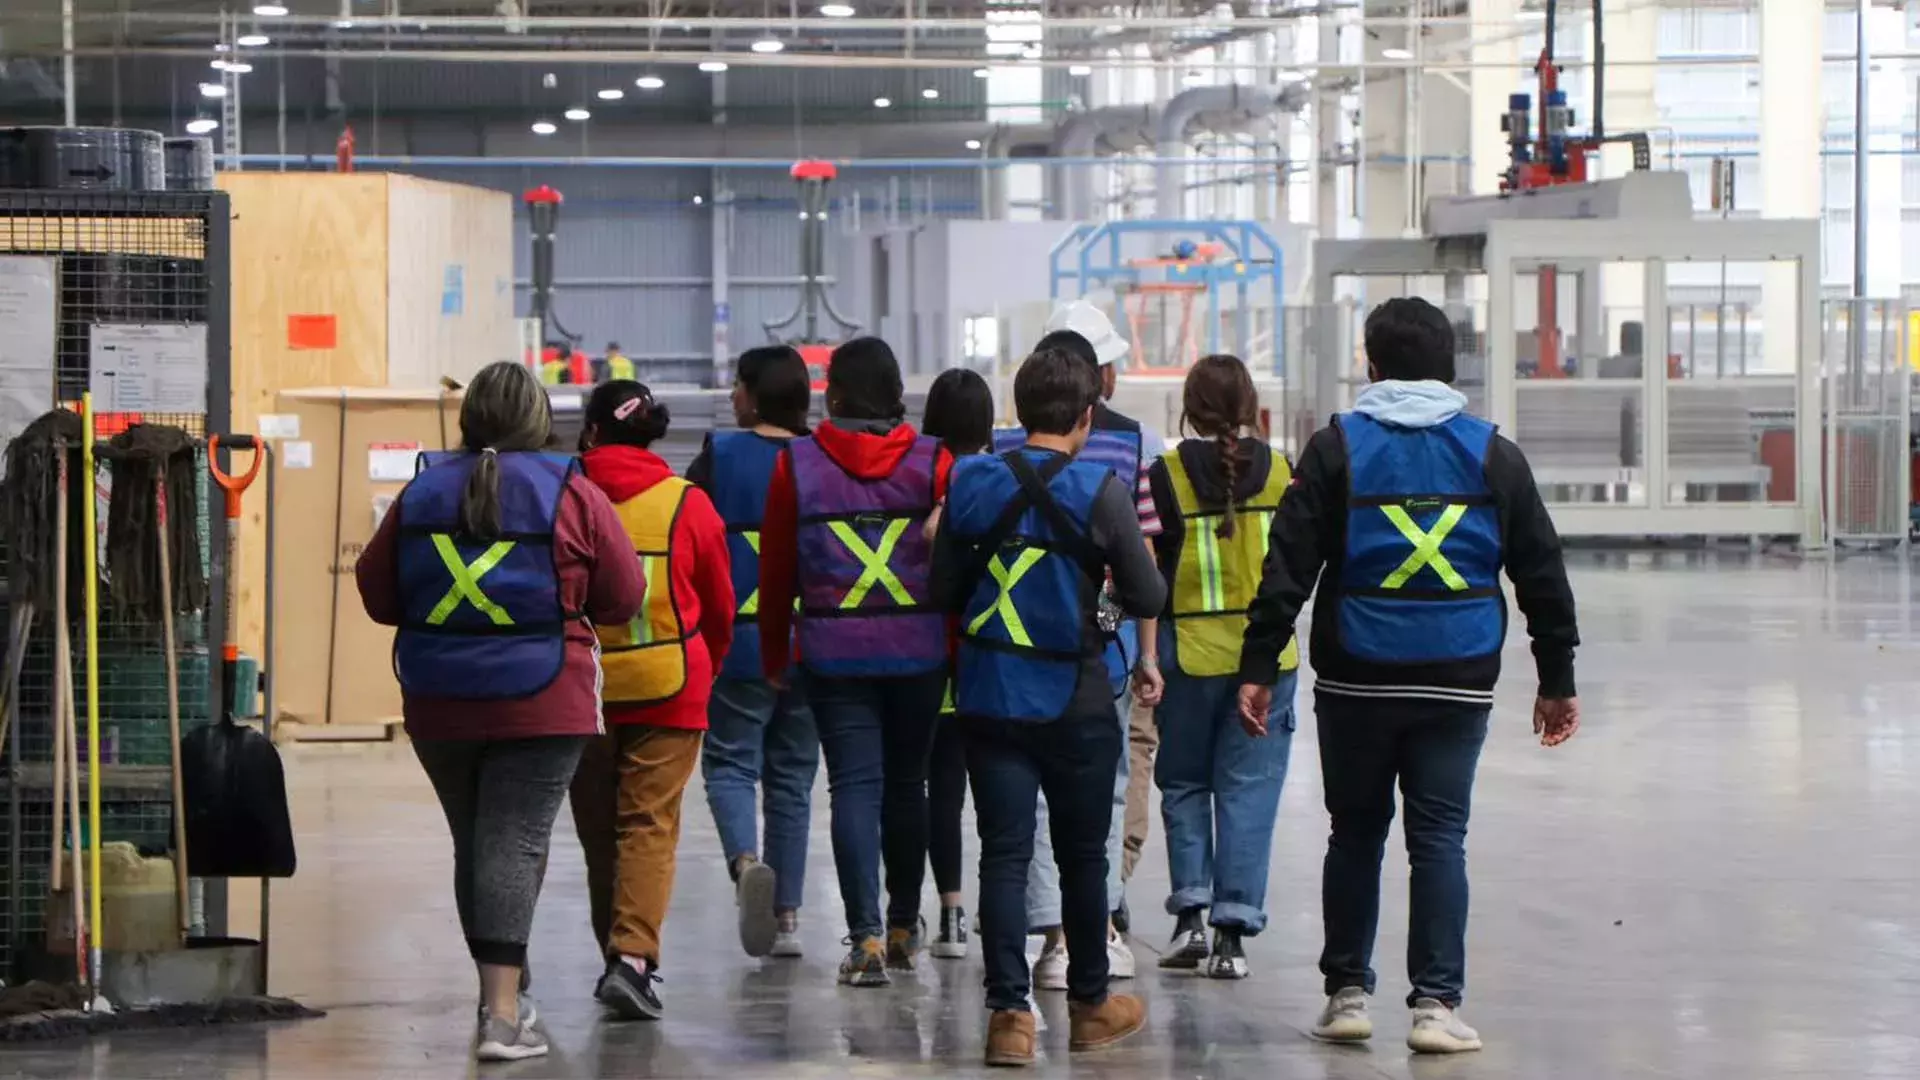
500	798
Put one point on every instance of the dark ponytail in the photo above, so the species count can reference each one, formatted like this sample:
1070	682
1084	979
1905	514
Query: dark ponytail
505	409
623	413
1219	402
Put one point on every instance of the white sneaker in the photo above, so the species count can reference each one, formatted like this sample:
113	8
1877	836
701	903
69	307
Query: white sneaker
1120	963
1345	1018
1437	1029
502	1041
1050	971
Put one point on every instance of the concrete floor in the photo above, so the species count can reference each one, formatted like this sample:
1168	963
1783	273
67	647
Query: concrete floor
1718	880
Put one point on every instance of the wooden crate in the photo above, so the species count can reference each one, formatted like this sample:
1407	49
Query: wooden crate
356	280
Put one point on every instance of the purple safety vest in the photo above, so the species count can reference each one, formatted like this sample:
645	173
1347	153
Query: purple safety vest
865	564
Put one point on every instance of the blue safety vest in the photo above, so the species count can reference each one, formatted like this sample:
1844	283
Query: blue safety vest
482	620
1024	631
1115	443
1420	583
742	470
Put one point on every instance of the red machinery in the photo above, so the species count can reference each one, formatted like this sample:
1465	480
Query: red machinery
813	178
1555	156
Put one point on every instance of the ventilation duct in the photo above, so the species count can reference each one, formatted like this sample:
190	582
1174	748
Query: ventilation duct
1117	129
1209	108
1007	142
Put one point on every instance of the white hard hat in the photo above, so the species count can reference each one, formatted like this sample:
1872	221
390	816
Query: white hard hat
1090	322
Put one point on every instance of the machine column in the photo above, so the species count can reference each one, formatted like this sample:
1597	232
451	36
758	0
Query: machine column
1791	123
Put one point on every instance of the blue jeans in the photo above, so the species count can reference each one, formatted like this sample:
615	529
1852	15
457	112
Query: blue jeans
1431	748
1011	764
1043	880
877	735
1219	795
759	736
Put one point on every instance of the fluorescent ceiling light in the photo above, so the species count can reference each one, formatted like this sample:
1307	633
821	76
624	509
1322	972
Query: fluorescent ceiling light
837	11
882	103
1080	71
239	68
649	82
1292	76
271	11
251	41
544	127
981	73
1397	54
343	24
201	127
575	114
930	94
713	67
768	45
212	90
973	144
218	65
611	93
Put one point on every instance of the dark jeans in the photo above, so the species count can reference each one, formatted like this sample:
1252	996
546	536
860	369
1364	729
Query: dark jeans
1431	748
947	800
876	736
1072	760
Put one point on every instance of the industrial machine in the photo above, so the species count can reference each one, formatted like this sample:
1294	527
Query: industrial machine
813	178
557	345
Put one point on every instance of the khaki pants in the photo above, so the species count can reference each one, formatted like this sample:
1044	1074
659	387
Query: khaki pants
626	808
1143	738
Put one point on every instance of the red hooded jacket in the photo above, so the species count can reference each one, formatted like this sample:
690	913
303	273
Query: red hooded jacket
862	454
702	581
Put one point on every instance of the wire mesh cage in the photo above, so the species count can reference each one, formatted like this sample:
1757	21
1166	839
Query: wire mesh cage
127	264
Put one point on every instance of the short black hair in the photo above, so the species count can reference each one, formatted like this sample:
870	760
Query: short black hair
1052	391
863	381
623	413
776	380
1408	338
960	411
1071	342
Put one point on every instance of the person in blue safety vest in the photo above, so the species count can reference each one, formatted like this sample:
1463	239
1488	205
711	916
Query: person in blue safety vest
494	564
1127	447
1405	511
758	736
1027	544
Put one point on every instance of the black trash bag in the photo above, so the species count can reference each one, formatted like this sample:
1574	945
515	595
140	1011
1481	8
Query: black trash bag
236	799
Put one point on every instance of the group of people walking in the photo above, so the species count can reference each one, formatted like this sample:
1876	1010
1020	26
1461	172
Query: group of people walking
950	606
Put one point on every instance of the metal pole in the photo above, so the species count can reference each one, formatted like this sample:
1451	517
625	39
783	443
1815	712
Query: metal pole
66	57
1857	317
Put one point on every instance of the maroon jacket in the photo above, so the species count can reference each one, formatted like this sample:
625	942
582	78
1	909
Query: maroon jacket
598	575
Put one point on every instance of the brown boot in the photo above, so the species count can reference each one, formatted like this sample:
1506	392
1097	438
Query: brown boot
1096	1027
1010	1037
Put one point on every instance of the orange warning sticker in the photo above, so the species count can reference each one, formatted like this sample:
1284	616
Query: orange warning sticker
312	331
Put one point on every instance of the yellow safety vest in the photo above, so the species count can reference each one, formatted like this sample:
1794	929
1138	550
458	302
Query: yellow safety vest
619	367
1216	577
551	371
645	661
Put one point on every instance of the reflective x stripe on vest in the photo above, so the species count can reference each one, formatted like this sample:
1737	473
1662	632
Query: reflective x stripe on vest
752	604
466	581
1426	547
1007	577
873	563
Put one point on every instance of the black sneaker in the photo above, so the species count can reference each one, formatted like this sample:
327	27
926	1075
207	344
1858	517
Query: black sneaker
1122	918
1189	945
629	992
952	942
903	944
865	964
1229	960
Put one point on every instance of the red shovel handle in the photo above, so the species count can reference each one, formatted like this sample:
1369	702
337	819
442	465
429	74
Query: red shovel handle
234	486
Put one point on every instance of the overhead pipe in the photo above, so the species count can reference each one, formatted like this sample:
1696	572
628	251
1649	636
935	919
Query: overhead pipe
1116	129
1007	142
1219	108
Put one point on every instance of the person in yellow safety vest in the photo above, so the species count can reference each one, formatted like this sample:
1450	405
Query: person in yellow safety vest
1216	496
658	675
553	367
618	366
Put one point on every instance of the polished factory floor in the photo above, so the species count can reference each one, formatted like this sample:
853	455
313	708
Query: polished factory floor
1719	879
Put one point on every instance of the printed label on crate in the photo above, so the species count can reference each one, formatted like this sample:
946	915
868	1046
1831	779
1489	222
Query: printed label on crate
392	462
279	425
154	368
296	455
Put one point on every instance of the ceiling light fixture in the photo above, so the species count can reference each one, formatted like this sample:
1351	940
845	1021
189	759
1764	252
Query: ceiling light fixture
699	200
1397	54
218	65
251	41
575	114
930	94
973	144
713	67
649	82
544	127
837	11
201	126
1080	71
238	67
269	11
1292	76
343	24
611	93
768	45
212	90
882	103
981	73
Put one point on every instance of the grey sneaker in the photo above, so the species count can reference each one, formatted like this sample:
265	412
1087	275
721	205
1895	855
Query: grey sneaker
1437	1029
786	942
529	1013
1345	1018
758	924
504	1041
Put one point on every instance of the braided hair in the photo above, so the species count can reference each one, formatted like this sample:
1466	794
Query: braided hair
1219	402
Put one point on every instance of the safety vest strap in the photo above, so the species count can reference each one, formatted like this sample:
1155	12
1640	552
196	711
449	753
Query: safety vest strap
1069	541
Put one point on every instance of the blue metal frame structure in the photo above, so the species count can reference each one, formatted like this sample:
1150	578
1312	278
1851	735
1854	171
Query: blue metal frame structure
1089	257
